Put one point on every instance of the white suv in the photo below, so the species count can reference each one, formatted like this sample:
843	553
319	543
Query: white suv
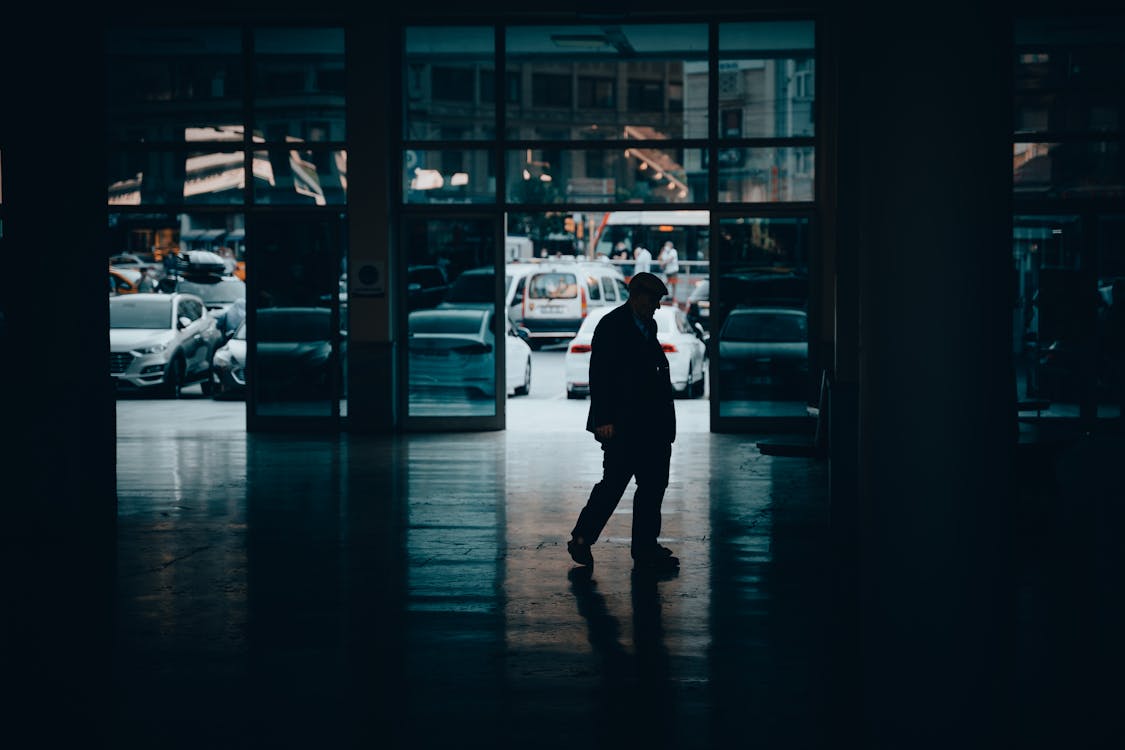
161	342
553	301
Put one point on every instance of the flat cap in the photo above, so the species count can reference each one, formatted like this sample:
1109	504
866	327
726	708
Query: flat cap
649	283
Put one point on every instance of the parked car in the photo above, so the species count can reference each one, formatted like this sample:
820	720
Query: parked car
685	346
455	349
764	352
698	305
475	288
294	353
228	367
557	297
426	286
124	280
161	342
135	261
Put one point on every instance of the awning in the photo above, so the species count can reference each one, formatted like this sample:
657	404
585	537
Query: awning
202	234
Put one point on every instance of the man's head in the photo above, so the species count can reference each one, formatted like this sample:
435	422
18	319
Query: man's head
645	292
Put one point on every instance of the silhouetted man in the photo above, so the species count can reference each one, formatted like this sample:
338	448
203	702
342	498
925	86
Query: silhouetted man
633	417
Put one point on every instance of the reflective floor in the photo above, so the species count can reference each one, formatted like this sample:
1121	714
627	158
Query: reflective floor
414	591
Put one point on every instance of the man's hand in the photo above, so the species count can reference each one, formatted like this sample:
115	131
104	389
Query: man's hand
604	432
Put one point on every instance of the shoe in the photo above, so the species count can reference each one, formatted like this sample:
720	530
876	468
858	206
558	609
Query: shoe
580	553
657	564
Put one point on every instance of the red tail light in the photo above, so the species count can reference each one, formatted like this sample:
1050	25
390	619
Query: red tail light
582	291
579	348
668	347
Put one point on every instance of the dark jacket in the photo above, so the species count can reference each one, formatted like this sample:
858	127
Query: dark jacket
630	387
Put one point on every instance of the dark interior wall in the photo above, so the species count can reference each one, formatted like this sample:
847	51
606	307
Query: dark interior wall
925	235
58	464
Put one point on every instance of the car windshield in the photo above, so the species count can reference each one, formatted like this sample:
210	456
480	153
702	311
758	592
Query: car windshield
279	325
221	292
472	287
553	286
764	327
151	311
445	323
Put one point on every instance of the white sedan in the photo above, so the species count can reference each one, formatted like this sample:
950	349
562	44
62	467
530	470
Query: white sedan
684	345
453	349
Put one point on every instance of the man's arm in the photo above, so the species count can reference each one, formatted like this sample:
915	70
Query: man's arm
602	350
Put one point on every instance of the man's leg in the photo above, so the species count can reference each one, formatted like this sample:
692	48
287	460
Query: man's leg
652	481
616	473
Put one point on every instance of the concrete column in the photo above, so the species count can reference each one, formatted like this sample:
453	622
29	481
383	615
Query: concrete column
372	106
923	409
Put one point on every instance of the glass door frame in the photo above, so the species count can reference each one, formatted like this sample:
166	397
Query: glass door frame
408	423
814	309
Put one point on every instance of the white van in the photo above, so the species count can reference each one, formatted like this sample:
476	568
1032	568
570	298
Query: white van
553	301
474	288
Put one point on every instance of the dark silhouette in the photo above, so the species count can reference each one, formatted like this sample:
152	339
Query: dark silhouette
635	702
633	417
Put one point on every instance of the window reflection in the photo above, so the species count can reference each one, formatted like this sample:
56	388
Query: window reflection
761	322
767	175
450	89
448	176
637	174
594	82
161	81
301	176
767	85
1068	170
299	81
297	322
451	329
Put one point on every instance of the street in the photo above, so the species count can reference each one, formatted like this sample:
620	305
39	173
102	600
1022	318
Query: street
545	409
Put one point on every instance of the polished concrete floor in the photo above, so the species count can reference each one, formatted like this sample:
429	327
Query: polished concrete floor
415	591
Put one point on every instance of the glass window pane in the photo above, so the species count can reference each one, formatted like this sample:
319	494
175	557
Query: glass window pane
621	235
767	175
299	85
450	176
452	345
1076	111
294	176
1068	170
637	174
760	319
162	84
450	91
163	177
595	81
767	83
297	322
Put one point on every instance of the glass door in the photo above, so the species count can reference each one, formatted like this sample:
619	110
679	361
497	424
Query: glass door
452	324
760	326
296	333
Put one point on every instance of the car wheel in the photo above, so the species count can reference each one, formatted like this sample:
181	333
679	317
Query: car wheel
697	387
524	389
572	394
174	378
207	385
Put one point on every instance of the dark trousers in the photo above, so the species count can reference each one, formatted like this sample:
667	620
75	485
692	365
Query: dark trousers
621	461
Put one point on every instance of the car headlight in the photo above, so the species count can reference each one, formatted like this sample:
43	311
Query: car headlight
154	349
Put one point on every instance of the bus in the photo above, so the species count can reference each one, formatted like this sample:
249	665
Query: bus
689	232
